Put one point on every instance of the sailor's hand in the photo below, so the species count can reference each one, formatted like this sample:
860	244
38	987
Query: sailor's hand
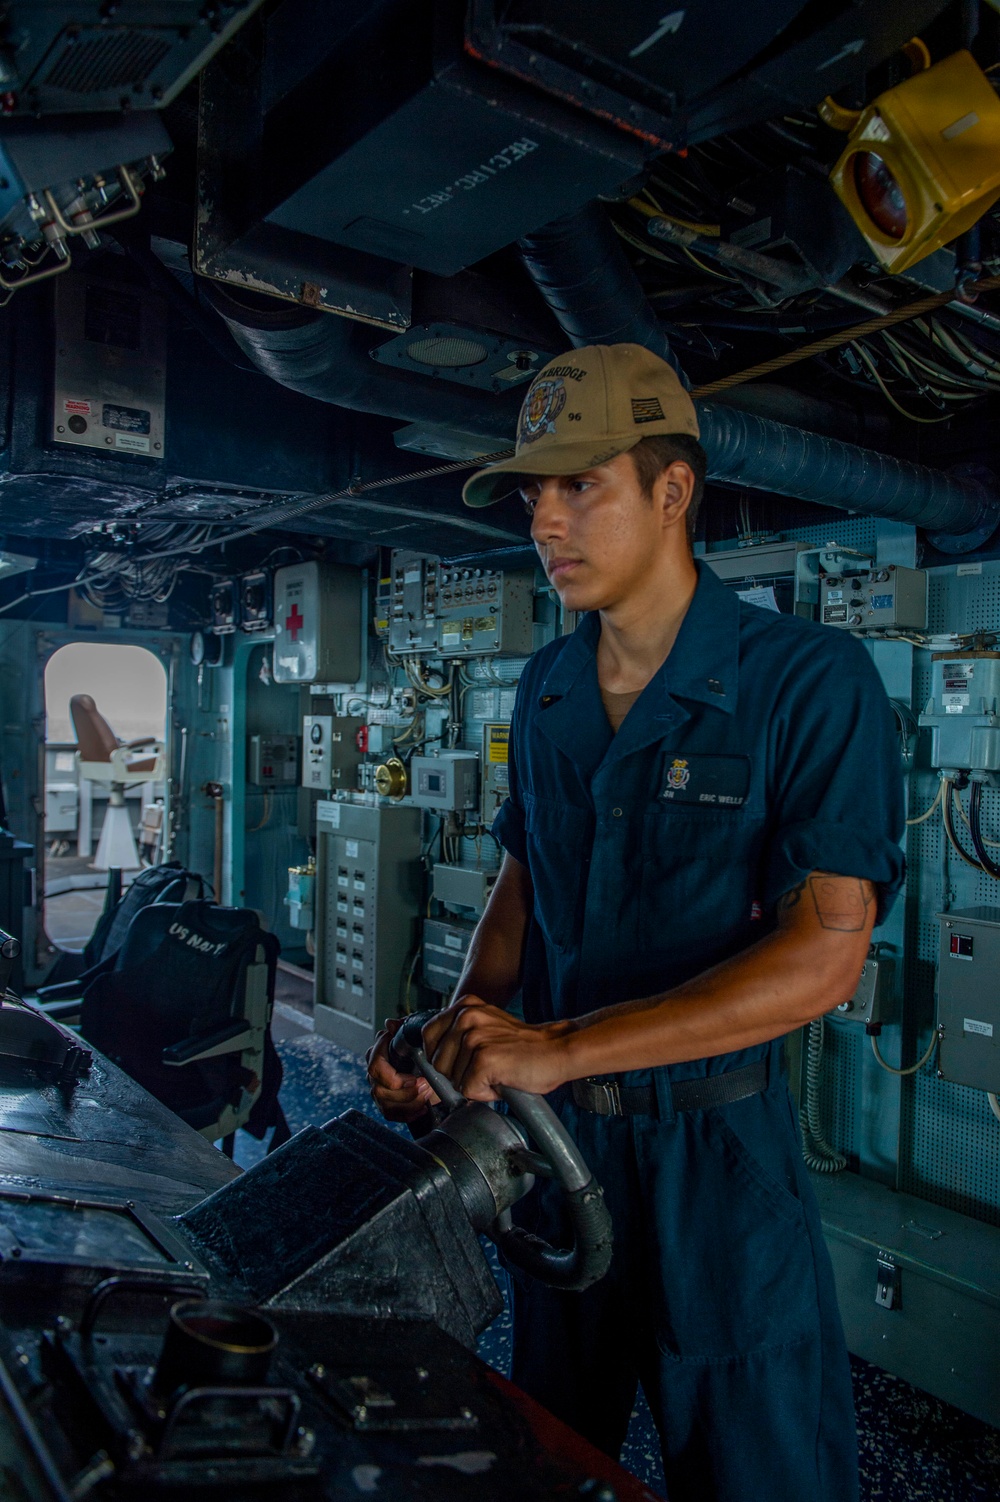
481	1047
400	1097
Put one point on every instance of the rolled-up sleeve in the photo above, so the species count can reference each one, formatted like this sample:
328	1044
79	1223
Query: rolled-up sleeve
838	786
509	825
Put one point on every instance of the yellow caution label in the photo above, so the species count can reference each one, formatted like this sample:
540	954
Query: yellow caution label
497	742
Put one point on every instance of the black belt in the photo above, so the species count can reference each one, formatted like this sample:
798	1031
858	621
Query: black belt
608	1098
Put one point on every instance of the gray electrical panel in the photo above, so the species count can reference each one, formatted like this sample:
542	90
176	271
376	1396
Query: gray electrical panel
881	598
446	782
962	712
495	784
446	943
367	905
273	761
458	612
330	754
969	998
463	886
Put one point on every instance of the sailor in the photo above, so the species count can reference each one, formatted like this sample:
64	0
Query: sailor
702	829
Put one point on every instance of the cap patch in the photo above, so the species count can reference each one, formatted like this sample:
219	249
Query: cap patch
542	406
646	409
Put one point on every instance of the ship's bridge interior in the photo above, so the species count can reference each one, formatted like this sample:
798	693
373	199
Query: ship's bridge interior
276	277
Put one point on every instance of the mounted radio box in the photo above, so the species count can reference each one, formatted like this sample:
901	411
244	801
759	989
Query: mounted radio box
317	623
883	598
109	384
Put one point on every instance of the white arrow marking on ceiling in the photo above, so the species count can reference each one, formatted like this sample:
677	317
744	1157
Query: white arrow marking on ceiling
668	26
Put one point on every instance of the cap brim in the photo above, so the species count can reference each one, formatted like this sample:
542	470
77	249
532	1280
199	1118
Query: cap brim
488	486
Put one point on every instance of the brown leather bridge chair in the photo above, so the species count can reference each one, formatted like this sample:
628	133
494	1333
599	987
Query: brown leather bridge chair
103	758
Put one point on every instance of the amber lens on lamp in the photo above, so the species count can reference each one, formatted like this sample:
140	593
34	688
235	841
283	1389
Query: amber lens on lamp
880	194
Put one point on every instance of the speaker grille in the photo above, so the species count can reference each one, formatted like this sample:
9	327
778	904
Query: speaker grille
106	59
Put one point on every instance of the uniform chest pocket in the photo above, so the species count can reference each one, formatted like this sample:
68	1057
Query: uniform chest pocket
699	871
559	837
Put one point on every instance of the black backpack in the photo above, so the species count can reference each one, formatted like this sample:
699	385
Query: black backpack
176	976
170	882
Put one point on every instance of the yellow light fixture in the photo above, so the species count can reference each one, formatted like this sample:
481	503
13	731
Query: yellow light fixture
923	161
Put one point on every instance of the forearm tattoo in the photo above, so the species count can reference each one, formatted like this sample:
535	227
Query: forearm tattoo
841	902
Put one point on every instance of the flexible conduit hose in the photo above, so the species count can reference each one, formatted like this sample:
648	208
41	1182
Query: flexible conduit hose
578	265
987	862
818	1153
754	451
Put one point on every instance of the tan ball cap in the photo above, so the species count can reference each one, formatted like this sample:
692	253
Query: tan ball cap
583	409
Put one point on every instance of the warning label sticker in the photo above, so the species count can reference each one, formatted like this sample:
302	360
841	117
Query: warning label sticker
83	408
498	743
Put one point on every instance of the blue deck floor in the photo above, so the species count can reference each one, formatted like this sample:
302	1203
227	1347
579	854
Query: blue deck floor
913	1447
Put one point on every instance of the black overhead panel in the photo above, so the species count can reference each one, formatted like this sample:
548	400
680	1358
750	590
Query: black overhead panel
382	138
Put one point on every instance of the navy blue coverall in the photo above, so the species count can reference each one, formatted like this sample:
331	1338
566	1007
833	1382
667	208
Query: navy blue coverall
764	748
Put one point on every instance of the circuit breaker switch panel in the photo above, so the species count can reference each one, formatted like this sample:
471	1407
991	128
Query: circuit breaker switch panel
968	997
888	598
963	713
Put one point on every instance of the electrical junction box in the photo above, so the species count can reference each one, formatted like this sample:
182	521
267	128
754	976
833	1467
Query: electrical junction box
447	782
448	612
463	886
330	755
317	623
482	610
273	761
969	998
412	603
109	387
367	901
446	943
495	784
881	598
962	713
868	1004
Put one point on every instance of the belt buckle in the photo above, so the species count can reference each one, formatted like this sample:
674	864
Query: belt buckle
609	1096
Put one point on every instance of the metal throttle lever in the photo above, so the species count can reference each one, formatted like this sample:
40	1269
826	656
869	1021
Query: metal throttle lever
10	949
488	1157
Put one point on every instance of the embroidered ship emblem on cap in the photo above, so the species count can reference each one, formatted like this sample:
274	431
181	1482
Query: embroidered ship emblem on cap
678	774
543	405
646	409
